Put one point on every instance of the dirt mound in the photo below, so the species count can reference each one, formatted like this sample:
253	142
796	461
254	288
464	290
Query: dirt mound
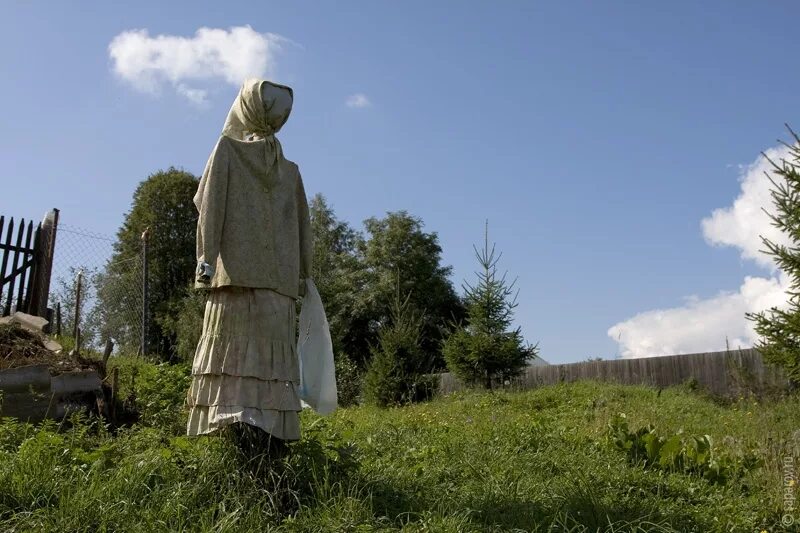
21	347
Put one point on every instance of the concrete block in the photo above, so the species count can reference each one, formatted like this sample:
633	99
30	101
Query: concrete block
35	377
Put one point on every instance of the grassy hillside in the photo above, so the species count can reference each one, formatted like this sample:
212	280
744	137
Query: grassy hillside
530	461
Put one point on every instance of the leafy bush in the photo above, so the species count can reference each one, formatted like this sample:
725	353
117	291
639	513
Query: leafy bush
349	380
184	322
689	454
401	258
156	391
161	395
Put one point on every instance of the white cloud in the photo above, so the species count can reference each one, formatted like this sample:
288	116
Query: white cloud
148	63
703	325
700	325
197	96
358	100
742	224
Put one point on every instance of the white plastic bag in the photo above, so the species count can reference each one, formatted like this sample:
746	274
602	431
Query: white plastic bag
315	351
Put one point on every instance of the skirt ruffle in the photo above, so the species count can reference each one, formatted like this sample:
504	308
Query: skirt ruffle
207	419
241	355
246	368
211	390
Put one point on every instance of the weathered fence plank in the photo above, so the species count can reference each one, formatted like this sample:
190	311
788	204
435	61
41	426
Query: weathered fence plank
26	265
25	272
45	244
726	373
14	272
6	254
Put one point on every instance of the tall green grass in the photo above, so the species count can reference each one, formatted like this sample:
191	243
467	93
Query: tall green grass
539	460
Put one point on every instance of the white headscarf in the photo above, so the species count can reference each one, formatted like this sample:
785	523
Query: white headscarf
250	114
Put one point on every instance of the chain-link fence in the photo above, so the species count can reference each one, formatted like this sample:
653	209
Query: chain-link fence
99	287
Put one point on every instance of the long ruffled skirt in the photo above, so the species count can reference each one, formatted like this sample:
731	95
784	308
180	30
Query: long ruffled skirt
245	368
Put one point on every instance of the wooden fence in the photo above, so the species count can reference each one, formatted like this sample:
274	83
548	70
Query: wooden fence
726	373
26	264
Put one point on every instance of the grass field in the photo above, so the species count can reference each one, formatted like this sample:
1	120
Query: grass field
541	460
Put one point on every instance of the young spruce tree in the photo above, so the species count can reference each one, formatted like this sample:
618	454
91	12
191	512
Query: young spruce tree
485	349
399	366
779	329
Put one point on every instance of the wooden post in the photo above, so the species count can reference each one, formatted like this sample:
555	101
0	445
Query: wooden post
10	307
145	290
4	261
58	319
76	330
51	317
108	350
23	293
106	354
45	251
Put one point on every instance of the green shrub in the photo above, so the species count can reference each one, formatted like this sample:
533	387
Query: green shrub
689	454
184	322
385	383
349	380
396	372
157	392
161	395
190	324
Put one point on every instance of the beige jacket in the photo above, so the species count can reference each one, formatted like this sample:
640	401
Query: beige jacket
254	226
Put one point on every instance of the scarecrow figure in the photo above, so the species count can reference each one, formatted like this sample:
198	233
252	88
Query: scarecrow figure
254	255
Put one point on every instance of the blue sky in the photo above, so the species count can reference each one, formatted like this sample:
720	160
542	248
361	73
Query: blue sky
595	138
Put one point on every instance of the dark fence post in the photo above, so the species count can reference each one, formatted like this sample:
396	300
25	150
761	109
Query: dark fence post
24	288
107	351
76	331
106	354
13	280
145	290
4	261
46	248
